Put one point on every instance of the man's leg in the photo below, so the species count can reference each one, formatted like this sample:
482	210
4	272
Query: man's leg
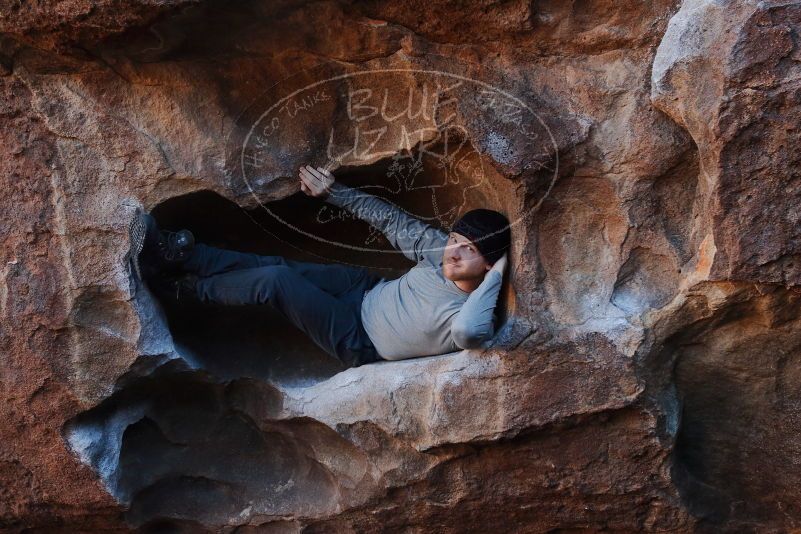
206	260
335	279
332	324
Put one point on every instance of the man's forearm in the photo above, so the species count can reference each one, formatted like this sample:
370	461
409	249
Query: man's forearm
406	233
474	323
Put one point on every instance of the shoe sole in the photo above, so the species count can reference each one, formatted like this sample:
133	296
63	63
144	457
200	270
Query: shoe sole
137	231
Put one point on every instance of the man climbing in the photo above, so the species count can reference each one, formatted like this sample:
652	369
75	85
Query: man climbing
443	304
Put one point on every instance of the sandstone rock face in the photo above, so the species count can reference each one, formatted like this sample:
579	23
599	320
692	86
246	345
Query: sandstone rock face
646	376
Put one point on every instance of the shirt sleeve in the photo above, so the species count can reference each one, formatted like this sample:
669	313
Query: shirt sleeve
473	324
416	239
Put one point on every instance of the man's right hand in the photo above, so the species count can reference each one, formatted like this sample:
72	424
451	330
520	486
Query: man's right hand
315	182
500	264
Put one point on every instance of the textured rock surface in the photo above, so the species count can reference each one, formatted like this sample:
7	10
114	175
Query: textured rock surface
647	377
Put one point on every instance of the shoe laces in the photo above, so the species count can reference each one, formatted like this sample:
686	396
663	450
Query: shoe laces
176	245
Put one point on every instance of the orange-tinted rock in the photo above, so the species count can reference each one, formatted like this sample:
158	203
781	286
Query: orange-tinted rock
645	377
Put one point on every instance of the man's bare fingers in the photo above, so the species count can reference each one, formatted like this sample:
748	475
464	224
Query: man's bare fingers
317	174
317	182
328	177
326	181
305	173
310	180
315	188
304	181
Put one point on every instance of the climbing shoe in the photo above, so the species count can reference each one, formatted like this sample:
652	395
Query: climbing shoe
163	251
177	246
137	233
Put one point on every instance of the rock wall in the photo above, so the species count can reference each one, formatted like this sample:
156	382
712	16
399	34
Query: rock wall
645	377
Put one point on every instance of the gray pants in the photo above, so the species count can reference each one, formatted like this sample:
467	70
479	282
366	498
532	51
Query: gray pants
322	300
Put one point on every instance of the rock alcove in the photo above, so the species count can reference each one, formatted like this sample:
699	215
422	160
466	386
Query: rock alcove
256	341
189	440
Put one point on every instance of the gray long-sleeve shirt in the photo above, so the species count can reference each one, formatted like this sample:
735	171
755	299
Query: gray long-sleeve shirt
421	313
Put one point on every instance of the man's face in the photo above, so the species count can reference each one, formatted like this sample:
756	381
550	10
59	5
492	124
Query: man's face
461	260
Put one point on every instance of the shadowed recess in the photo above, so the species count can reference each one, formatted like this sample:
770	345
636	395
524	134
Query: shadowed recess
179	445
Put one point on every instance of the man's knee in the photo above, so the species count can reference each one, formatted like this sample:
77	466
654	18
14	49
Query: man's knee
275	278
276	273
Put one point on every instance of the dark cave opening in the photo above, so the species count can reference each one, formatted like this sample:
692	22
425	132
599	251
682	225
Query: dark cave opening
256	341
234	341
182	449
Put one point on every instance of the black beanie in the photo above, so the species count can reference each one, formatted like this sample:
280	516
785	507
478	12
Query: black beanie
488	230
